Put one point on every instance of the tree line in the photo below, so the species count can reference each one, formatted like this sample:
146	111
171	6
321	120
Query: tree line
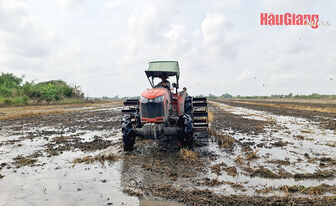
14	91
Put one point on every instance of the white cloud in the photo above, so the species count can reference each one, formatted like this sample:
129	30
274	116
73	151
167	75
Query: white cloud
66	4
220	6
105	46
245	76
219	35
289	4
214	28
282	78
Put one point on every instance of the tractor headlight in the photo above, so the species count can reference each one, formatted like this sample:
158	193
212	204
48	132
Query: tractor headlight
143	100
159	99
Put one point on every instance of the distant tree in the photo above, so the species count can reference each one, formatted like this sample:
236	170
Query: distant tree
9	80
226	95
212	96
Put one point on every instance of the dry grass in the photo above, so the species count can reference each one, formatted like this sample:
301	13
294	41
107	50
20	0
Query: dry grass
61	139
314	190
99	158
293	106
317	190
252	155
210	116
21	161
223	140
317	174
279	162
239	160
333	144
32	111
299	100
294	188
133	193
216	182
300	137
263	172
307	131
189	155
265	190
216	169
231	170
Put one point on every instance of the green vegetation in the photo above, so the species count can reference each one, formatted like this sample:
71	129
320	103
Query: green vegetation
14	92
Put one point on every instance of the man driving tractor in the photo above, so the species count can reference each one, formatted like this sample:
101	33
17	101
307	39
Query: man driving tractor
164	82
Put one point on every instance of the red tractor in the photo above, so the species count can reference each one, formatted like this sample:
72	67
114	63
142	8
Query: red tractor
162	112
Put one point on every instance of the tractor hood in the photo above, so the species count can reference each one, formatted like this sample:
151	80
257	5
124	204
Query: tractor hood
152	93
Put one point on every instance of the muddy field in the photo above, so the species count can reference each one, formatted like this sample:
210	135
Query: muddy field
256	153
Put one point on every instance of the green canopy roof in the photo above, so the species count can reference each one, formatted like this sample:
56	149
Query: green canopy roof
157	68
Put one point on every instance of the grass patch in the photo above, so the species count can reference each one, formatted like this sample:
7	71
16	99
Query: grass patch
210	116
313	190
307	131
223	140
231	170
264	172
252	155
21	161
99	158
317	174
189	155
32	111
239	160
216	169
293	106
8	101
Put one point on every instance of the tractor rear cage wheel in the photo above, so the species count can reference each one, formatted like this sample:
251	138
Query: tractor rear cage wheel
200	113
131	108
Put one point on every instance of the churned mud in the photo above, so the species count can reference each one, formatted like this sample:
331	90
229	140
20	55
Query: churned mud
252	155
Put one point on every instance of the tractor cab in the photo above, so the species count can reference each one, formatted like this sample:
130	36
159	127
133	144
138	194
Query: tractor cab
161	102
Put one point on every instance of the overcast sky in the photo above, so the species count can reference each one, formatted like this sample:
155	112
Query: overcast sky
104	46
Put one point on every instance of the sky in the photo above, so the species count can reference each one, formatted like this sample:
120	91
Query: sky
104	46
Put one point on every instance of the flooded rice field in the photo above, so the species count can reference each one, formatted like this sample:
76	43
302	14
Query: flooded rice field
256	153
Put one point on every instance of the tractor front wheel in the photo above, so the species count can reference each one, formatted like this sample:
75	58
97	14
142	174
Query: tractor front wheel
127	133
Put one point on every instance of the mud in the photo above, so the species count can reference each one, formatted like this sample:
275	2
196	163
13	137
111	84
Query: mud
326	119
224	120
249	157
